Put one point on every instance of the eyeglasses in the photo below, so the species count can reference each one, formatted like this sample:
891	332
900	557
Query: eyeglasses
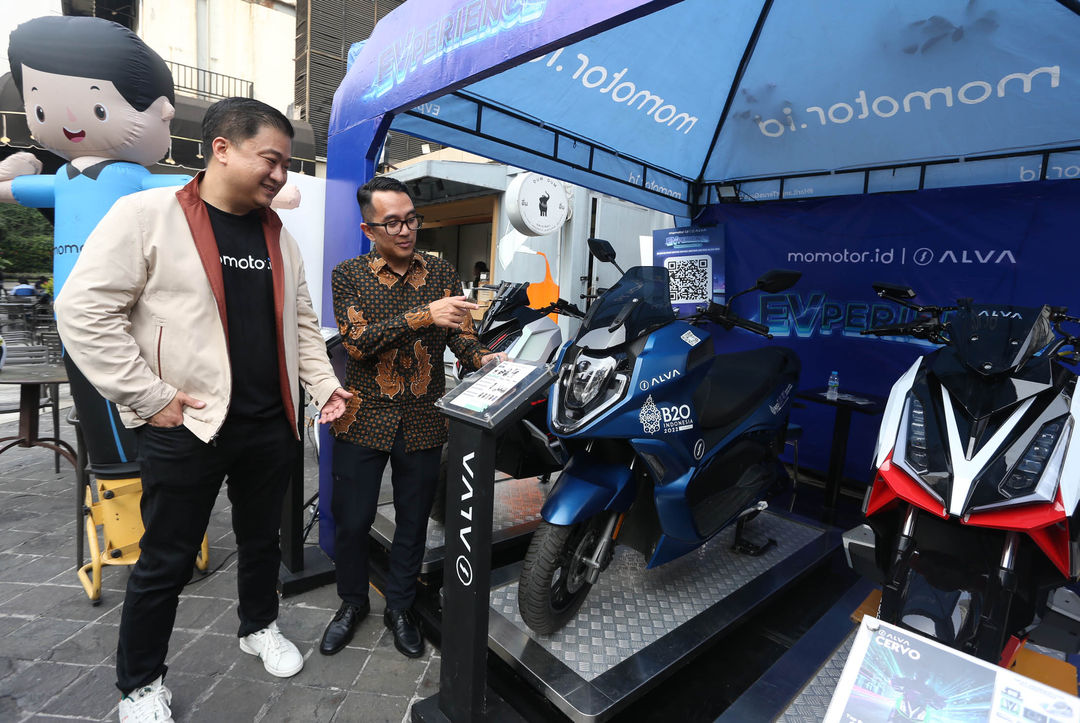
394	227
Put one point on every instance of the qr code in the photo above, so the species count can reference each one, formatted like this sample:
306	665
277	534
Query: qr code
691	279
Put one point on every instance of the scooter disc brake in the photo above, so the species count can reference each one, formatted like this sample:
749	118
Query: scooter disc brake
576	568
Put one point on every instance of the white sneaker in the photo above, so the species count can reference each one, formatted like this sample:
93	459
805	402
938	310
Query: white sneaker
149	703
279	656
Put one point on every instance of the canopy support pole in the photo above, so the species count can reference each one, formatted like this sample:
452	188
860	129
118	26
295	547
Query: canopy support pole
743	62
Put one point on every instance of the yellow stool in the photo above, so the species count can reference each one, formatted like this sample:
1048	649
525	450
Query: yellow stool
113	504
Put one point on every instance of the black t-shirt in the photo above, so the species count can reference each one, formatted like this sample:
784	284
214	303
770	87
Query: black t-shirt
249	308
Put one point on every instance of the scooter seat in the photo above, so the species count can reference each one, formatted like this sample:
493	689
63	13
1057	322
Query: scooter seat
738	382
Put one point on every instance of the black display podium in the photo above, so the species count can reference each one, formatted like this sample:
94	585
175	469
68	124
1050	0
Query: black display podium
479	409
303	567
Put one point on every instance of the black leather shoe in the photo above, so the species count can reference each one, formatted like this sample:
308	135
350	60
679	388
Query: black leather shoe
340	630
407	636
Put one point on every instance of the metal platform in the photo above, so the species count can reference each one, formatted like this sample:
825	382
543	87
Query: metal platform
799	685
638	625
516	514
813	700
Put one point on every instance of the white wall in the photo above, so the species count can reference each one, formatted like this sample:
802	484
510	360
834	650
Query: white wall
13	14
623	223
305	223
242	39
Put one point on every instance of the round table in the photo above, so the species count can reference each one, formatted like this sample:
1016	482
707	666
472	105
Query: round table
30	378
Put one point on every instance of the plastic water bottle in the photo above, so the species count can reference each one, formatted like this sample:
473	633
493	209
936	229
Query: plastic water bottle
833	390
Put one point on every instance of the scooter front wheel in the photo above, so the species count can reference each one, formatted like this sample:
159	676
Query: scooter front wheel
553	582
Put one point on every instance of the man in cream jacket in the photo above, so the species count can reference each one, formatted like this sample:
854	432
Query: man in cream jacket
189	310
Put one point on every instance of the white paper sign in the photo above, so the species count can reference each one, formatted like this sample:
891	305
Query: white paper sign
894	674
492	386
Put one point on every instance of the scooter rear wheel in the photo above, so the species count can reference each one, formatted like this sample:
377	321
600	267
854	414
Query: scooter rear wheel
553	582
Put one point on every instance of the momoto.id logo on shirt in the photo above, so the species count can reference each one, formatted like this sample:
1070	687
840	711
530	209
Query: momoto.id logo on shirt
248	263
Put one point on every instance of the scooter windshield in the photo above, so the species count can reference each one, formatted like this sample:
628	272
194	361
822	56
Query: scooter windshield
993	339
640	301
509	296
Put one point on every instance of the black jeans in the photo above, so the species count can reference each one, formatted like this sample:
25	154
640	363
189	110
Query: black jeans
357	476
181	477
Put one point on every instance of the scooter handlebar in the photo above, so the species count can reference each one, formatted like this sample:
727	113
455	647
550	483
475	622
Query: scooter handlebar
716	313
920	330
564	307
752	326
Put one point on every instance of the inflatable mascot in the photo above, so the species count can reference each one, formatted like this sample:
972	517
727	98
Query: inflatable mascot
99	97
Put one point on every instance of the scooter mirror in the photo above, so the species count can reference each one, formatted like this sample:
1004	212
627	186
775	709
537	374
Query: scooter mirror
893	291
777	280
601	250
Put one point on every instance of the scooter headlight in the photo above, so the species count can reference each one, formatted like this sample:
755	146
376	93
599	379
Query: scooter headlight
916	453
588	379
922	453
1025	476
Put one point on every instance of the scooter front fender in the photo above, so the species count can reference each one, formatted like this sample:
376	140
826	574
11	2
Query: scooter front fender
587	488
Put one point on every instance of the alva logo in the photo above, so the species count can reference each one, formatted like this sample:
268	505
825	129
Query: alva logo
463	565
926	256
1000	314
646	384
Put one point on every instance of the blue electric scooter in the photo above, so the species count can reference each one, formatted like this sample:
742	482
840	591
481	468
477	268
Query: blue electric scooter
669	442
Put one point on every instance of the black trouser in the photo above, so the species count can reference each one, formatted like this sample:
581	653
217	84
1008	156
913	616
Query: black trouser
181	477
357	476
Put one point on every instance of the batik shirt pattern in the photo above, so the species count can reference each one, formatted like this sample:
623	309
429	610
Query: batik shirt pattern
395	350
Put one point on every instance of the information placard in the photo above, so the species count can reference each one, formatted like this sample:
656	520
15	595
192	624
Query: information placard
492	387
489	395
895	674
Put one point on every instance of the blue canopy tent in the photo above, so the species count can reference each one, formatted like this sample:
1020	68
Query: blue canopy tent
686	106
675	104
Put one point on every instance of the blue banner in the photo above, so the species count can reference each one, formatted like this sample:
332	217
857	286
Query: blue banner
997	244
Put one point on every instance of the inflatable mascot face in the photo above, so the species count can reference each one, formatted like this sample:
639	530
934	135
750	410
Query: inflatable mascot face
92	88
98	96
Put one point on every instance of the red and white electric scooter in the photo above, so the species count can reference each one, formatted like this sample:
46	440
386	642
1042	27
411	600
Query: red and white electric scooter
971	522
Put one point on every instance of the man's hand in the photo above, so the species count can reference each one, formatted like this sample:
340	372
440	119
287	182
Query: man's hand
450	312
287	198
173	413
335	406
19	164
498	355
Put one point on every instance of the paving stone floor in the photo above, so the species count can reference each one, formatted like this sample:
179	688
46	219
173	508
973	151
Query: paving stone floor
57	650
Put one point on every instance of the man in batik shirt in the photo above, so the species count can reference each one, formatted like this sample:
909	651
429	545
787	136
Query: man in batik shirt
397	310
